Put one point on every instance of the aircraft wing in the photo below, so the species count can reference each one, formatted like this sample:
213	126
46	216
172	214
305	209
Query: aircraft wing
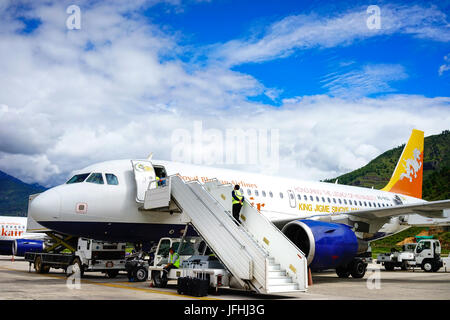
433	209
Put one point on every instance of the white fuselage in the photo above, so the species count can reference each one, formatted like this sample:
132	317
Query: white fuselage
110	212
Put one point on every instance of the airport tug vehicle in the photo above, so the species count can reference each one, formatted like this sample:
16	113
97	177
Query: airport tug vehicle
425	254
89	255
196	261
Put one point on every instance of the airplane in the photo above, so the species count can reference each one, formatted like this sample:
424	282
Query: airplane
14	240
99	202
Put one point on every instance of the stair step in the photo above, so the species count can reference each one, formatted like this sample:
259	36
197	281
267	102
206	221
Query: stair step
274	267
279	280
282	288
277	273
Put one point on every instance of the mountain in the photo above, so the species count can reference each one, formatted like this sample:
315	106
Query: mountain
14	195
436	169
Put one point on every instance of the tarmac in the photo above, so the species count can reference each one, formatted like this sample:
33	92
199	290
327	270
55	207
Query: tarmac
17	283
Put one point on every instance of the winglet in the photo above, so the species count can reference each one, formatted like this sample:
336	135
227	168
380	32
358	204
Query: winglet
407	176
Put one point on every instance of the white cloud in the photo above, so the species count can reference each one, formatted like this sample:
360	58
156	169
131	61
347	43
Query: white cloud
365	80
291	33
63	107
445	66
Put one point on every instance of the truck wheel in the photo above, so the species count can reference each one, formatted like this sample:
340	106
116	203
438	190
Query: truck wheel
358	269
342	272
427	266
39	266
157	280
76	261
140	274
389	266
404	265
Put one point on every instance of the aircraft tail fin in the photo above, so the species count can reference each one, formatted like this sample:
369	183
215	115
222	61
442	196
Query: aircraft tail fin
407	176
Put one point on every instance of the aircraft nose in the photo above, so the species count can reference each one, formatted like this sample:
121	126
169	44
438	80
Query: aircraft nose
46	206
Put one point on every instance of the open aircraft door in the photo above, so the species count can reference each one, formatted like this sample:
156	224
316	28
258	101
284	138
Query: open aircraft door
143	174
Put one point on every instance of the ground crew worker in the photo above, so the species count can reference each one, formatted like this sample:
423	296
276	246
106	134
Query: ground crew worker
174	262
238	202
158	182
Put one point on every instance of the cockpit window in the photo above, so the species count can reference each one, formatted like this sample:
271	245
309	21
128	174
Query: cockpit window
96	178
78	178
111	179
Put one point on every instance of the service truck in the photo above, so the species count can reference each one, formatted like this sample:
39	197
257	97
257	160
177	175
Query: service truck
90	255
426	254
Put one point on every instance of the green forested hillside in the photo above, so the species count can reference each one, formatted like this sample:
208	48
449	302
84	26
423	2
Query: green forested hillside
436	174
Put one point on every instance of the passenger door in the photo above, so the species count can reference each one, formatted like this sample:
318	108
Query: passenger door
143	174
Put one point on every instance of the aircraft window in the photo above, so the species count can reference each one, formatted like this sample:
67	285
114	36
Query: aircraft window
256	193
317	199
281	195
329	200
340	202
249	192
96	178
379	206
334	200
271	194
365	204
299	197
345	201
370	204
350	201
291	196
374	204
263	193
305	197
323	199
360	203
111	179
78	178
311	198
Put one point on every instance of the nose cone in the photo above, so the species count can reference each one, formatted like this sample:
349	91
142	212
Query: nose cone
46	206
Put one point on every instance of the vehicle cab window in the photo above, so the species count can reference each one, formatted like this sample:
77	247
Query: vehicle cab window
96	178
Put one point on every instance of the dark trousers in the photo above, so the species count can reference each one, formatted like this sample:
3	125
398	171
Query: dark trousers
236	210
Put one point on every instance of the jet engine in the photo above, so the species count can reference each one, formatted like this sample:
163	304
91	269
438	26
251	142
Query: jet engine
326	245
20	246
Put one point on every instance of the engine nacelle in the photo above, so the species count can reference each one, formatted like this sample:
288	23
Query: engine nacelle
20	246
326	245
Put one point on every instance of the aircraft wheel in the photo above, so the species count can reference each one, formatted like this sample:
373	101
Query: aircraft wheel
342	272
358	269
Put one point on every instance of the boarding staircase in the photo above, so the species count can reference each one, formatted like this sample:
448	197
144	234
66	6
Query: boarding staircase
256	253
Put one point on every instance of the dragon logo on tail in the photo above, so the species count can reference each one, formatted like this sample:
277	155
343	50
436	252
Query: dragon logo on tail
412	166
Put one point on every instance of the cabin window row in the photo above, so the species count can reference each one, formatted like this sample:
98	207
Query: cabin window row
323	199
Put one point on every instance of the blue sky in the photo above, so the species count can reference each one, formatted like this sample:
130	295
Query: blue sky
302	73
338	93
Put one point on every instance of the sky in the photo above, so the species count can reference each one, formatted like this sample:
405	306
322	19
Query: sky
336	82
